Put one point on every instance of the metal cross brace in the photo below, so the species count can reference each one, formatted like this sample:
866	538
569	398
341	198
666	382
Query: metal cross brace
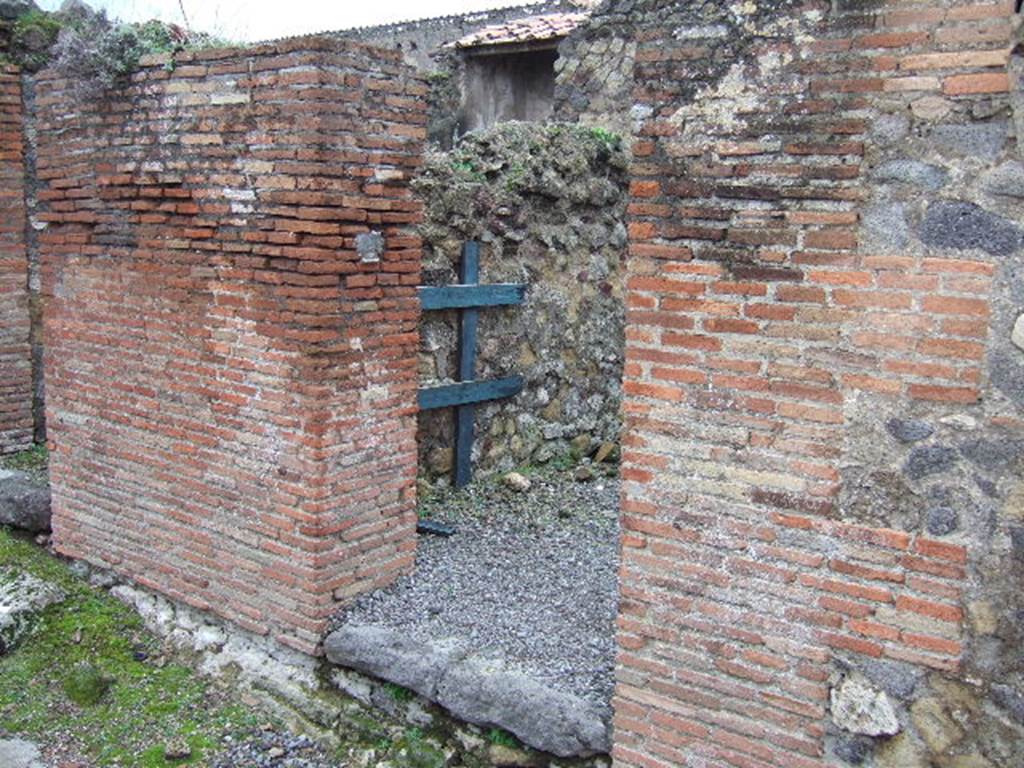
468	297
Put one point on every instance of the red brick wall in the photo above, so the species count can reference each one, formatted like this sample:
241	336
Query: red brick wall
761	331
231	389
15	354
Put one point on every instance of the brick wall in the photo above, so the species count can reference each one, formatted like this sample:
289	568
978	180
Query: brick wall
820	248
15	353
231	384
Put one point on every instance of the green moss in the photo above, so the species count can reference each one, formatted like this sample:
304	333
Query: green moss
502	738
398	693
34	461
468	170
611	140
85	685
145	705
37	21
413	751
93	47
33	34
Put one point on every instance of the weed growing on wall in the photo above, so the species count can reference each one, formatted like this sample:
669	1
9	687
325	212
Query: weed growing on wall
98	54
31	37
610	139
94	52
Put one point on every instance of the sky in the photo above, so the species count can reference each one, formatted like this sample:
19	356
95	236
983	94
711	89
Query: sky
248	20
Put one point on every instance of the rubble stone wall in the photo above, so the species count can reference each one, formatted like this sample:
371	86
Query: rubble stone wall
230	265
824	439
547	204
16	423
594	71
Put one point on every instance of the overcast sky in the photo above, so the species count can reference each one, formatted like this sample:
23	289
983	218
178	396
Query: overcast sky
266	19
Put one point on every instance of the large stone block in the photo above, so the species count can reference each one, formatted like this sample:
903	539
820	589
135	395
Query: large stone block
24	502
966	226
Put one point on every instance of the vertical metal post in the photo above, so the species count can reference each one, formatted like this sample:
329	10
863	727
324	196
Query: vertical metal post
469	274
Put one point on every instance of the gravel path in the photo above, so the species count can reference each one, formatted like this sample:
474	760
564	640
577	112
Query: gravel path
528	577
274	749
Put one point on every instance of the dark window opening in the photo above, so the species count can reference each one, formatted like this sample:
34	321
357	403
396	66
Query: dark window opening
499	87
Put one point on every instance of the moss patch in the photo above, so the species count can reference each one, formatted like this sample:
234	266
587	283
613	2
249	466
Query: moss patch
85	685
92	643
34	462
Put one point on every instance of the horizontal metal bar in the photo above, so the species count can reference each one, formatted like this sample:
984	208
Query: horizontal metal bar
466	392
434	528
468	296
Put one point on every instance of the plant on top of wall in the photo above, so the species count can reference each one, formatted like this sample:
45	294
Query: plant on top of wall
97	54
92	51
30	37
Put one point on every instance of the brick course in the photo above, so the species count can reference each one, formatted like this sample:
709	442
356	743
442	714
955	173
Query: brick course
231	388
15	355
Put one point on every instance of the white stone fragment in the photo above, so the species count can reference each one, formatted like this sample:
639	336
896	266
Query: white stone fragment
1017	337
22	598
209	637
229	98
517	482
859	707
959	421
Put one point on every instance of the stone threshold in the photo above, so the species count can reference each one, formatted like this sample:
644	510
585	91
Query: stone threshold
476	688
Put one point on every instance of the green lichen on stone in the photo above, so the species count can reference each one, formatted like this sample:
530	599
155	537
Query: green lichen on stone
415	750
22	598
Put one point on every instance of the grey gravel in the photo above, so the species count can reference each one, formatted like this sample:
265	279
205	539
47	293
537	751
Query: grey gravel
274	749
528	579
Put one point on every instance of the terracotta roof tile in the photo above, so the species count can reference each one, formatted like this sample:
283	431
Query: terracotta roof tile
532	29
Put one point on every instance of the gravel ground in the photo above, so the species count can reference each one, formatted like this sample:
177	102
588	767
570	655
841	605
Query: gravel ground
274	749
528	577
